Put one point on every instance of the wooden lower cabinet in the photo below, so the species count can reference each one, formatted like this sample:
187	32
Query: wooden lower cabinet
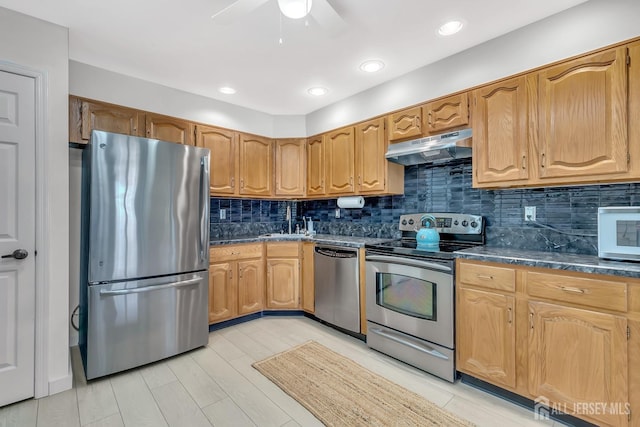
487	336
283	276
236	281
549	339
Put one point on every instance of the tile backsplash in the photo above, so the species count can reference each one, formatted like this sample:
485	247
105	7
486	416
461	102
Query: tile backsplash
446	188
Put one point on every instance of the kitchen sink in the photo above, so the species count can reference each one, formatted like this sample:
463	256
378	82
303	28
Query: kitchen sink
286	236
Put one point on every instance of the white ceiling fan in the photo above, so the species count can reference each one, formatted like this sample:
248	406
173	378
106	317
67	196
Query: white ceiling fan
321	11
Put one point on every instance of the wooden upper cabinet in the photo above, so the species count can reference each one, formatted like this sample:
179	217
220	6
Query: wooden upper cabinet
223	170
371	165
583	116
290	167
447	113
486	336
85	116
315	166
500	132
340	162
405	124
169	129
256	170
578	357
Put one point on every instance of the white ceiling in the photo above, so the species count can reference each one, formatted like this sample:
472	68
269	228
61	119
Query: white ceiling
177	44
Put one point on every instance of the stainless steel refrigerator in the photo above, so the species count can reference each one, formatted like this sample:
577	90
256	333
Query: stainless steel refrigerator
144	278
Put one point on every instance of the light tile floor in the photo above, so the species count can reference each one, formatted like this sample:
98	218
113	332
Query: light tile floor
216	385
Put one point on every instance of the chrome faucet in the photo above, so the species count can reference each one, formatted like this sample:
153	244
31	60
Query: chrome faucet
288	217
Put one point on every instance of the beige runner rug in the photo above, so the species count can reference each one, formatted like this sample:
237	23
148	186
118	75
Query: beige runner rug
339	392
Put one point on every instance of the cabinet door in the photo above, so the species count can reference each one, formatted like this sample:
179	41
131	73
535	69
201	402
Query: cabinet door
583	116
308	280
222	292
250	286
578	357
256	158
110	118
405	124
486	336
223	168
500	126
340	162
315	166
371	166
447	113
169	129
283	283
290	158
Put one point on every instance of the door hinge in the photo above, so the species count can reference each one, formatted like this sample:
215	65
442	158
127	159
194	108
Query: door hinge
628	333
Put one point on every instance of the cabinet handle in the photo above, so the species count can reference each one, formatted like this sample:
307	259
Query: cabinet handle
240	273
241	182
572	290
233	182
350	180
510	315
230	274
524	162
484	277
359	180
531	320
542	160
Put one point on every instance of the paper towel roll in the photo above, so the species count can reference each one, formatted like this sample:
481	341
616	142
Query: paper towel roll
352	202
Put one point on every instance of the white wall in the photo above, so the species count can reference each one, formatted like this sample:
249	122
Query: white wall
97	83
42	46
586	27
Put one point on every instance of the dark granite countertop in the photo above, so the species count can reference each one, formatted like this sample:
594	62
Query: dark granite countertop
555	260
327	239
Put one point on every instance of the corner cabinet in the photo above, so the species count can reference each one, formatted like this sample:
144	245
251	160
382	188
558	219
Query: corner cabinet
256	166
87	115
283	275
290	167
500	133
551	334
339	148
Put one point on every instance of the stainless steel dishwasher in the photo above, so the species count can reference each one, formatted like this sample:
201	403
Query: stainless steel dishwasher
337	286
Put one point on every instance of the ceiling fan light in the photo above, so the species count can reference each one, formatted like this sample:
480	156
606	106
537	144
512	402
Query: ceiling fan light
449	28
295	9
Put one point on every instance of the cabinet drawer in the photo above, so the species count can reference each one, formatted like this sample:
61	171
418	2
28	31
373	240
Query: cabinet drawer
578	290
499	278
232	252
277	250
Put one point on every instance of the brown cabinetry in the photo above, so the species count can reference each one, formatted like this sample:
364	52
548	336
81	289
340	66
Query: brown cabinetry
223	170
290	167
87	115
315	166
375	174
169	129
340	161
283	275
500	133
405	124
256	165
446	113
550	334
236	281
308	280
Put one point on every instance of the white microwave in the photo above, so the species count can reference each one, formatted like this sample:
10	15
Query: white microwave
619	233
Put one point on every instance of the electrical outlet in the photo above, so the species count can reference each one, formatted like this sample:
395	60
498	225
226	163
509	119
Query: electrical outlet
337	212
223	214
529	213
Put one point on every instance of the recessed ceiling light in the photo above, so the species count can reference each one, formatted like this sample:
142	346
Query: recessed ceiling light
372	65
227	90
318	91
449	28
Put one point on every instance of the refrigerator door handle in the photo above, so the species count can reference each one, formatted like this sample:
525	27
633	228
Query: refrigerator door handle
152	287
201	199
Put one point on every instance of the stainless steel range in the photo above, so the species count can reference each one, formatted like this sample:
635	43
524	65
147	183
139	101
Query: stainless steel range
410	292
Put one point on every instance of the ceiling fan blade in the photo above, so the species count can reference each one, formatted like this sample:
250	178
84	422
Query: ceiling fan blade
327	17
235	10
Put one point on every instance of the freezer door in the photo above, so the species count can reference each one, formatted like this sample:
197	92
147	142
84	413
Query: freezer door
149	207
138	322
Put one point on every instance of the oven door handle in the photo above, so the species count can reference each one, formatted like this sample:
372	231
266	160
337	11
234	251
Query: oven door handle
407	261
420	347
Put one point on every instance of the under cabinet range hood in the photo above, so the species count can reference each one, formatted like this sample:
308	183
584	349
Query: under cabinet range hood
432	149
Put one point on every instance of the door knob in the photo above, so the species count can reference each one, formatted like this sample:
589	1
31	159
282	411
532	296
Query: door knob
17	254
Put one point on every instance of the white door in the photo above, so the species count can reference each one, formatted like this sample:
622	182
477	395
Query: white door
17	232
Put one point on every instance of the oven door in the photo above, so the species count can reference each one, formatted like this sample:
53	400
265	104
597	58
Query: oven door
412	296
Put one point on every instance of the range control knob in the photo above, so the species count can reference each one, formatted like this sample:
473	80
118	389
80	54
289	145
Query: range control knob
411	222
474	224
465	223
456	222
404	222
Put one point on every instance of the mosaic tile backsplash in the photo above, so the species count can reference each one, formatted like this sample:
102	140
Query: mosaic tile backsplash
446	188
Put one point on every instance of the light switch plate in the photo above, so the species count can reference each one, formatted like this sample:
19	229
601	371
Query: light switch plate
223	214
337	212
529	213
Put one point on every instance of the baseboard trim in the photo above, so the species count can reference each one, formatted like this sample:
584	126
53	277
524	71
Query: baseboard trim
61	384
